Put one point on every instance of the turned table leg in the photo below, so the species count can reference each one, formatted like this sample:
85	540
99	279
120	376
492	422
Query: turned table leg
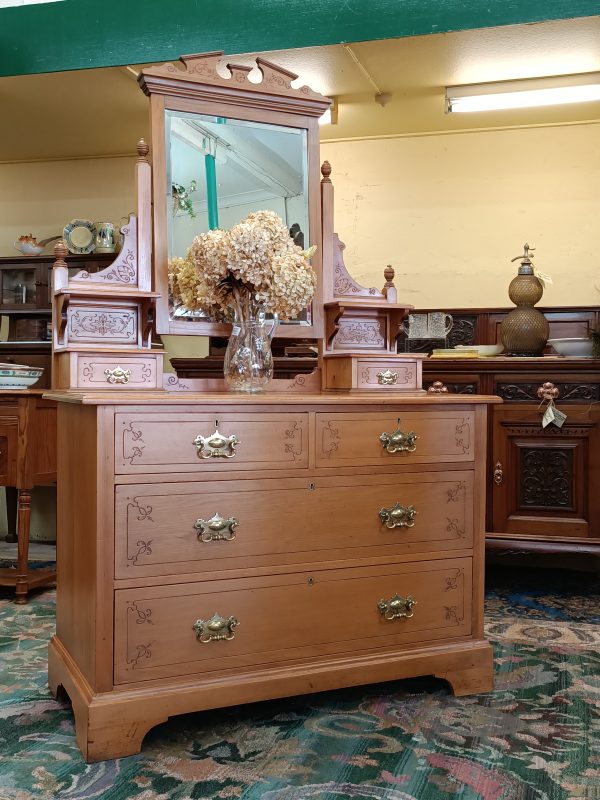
23	521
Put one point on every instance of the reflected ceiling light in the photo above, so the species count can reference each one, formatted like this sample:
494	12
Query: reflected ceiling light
524	93
330	117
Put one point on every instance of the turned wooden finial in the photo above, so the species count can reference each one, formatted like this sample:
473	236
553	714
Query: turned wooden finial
388	274
326	172
142	150
60	250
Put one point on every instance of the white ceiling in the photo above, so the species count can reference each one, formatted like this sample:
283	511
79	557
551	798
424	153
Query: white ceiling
103	112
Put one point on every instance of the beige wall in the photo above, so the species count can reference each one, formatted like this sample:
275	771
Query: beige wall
42	197
450	211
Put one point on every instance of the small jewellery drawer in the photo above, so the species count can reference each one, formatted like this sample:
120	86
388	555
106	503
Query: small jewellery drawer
396	373
412	437
175	528
207	627
110	371
180	442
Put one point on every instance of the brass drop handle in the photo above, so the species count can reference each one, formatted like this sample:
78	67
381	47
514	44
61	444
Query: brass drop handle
117	375
387	378
397	607
398	516
216	445
399	442
498	473
216	528
215	629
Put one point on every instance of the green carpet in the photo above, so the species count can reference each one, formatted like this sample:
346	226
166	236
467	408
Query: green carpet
536	737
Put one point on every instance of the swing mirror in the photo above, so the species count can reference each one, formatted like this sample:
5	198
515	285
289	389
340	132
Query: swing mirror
225	144
219	170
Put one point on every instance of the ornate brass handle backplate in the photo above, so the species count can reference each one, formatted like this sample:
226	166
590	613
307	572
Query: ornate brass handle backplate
399	442
216	445
387	378
215	629
216	528
397	607
498	473
398	516
117	375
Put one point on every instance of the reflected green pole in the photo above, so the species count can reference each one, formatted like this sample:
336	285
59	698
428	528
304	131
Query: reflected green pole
211	192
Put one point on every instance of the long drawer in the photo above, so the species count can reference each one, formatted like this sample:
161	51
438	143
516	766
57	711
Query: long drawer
415	437
163	529
204	443
207	627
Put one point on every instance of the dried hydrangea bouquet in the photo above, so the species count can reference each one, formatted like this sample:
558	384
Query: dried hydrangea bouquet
244	274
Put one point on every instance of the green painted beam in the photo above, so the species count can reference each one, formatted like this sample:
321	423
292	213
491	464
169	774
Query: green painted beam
77	34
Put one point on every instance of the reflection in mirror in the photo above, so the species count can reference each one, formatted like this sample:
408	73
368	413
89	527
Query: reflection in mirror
219	170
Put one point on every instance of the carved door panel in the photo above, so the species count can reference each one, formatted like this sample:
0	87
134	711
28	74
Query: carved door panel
542	483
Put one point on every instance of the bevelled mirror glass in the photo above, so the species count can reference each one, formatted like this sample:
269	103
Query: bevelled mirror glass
219	170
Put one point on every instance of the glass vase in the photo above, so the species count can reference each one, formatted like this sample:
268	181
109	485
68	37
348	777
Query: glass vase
248	365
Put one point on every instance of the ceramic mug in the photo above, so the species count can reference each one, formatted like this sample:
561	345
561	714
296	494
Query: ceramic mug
105	237
439	325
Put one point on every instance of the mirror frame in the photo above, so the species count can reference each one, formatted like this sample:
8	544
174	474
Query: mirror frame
198	87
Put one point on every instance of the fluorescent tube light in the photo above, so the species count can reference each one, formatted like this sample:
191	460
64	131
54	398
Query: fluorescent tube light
524	94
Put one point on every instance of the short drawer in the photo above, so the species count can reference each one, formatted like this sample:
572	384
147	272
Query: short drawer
179	442
207	627
123	371
163	529
395	374
388	438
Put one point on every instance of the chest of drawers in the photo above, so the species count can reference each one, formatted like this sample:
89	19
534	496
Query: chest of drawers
217	550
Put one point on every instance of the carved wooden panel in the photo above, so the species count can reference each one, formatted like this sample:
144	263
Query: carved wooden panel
123	270
463	330
546	478
110	326
154	626
362	335
568	392
455	387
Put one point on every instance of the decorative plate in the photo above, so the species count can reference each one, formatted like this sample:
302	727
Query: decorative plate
80	236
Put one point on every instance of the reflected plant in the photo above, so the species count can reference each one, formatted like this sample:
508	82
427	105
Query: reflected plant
182	198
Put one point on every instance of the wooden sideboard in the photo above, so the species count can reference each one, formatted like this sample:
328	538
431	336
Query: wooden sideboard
218	549
27	459
542	483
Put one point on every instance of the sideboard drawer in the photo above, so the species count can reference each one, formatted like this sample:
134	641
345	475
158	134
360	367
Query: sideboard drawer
180	442
216	625
164	529
373	438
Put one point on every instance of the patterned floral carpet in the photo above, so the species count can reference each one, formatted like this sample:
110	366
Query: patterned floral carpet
536	737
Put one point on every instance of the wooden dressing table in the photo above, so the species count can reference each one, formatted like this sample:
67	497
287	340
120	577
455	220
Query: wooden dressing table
218	549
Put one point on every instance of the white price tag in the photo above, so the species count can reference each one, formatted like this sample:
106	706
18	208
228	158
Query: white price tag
559	418
549	415
236	330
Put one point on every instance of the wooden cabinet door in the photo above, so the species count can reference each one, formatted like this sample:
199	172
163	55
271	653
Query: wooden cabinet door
543	478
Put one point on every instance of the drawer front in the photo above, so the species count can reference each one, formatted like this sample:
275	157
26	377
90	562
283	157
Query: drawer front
164	529
202	443
109	372
8	451
373	438
387	375
212	626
